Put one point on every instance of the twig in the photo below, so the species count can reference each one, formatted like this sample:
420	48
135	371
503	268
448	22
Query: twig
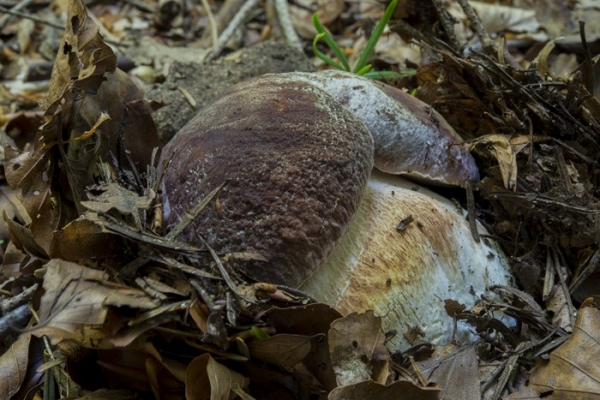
283	13
52	25
214	32
11	303
488	43
471	211
235	23
14	319
447	24
193	213
477	26
20	5
31	17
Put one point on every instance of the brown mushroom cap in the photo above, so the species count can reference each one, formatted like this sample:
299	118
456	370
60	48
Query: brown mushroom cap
296	162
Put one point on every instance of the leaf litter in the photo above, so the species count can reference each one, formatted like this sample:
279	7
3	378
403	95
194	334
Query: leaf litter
93	216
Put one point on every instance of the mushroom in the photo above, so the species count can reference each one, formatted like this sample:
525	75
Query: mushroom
298	151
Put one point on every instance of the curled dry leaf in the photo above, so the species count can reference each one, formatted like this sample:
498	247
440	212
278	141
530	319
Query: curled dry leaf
505	151
206	379
572	373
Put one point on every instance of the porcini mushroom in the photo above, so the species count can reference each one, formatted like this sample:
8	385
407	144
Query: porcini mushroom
297	151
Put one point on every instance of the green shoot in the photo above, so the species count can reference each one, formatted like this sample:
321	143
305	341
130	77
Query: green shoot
377	32
323	34
259	333
361	67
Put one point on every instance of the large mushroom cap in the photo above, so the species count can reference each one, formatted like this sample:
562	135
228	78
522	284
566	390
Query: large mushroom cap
296	162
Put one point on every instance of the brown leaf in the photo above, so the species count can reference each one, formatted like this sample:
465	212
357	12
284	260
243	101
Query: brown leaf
309	320
113	196
77	297
357	349
83	239
13	366
206	379
282	350
401	390
457	374
573	371
306	320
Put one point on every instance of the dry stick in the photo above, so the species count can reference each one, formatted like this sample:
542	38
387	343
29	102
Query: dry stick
488	43
485	38
31	17
20	5
50	24
283	13
471	211
235	23
214	31
11	303
447	23
189	216
225	14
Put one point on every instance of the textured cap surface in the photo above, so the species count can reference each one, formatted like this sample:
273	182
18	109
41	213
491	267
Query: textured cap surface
297	163
409	137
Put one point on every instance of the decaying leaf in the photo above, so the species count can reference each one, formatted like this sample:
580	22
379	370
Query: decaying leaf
113	196
13	366
505	151
456	375
206	379
282	350
358	352
77	297
92	110
573	371
401	390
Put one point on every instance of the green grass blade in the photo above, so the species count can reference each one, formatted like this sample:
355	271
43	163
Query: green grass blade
323	34
377	32
382	75
364	70
322	56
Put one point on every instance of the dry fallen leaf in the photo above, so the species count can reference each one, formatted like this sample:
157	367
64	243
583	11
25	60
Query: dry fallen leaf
357	349
456	374
401	390
282	350
13	366
573	371
76	301
206	379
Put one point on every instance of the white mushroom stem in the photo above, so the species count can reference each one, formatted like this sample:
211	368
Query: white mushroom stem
405	276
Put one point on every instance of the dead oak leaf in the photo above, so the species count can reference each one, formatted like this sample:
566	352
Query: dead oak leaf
78	297
573	371
357	349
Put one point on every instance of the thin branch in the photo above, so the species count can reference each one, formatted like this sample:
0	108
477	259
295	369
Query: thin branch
31	17
20	5
447	23
212	23
235	23
285	21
